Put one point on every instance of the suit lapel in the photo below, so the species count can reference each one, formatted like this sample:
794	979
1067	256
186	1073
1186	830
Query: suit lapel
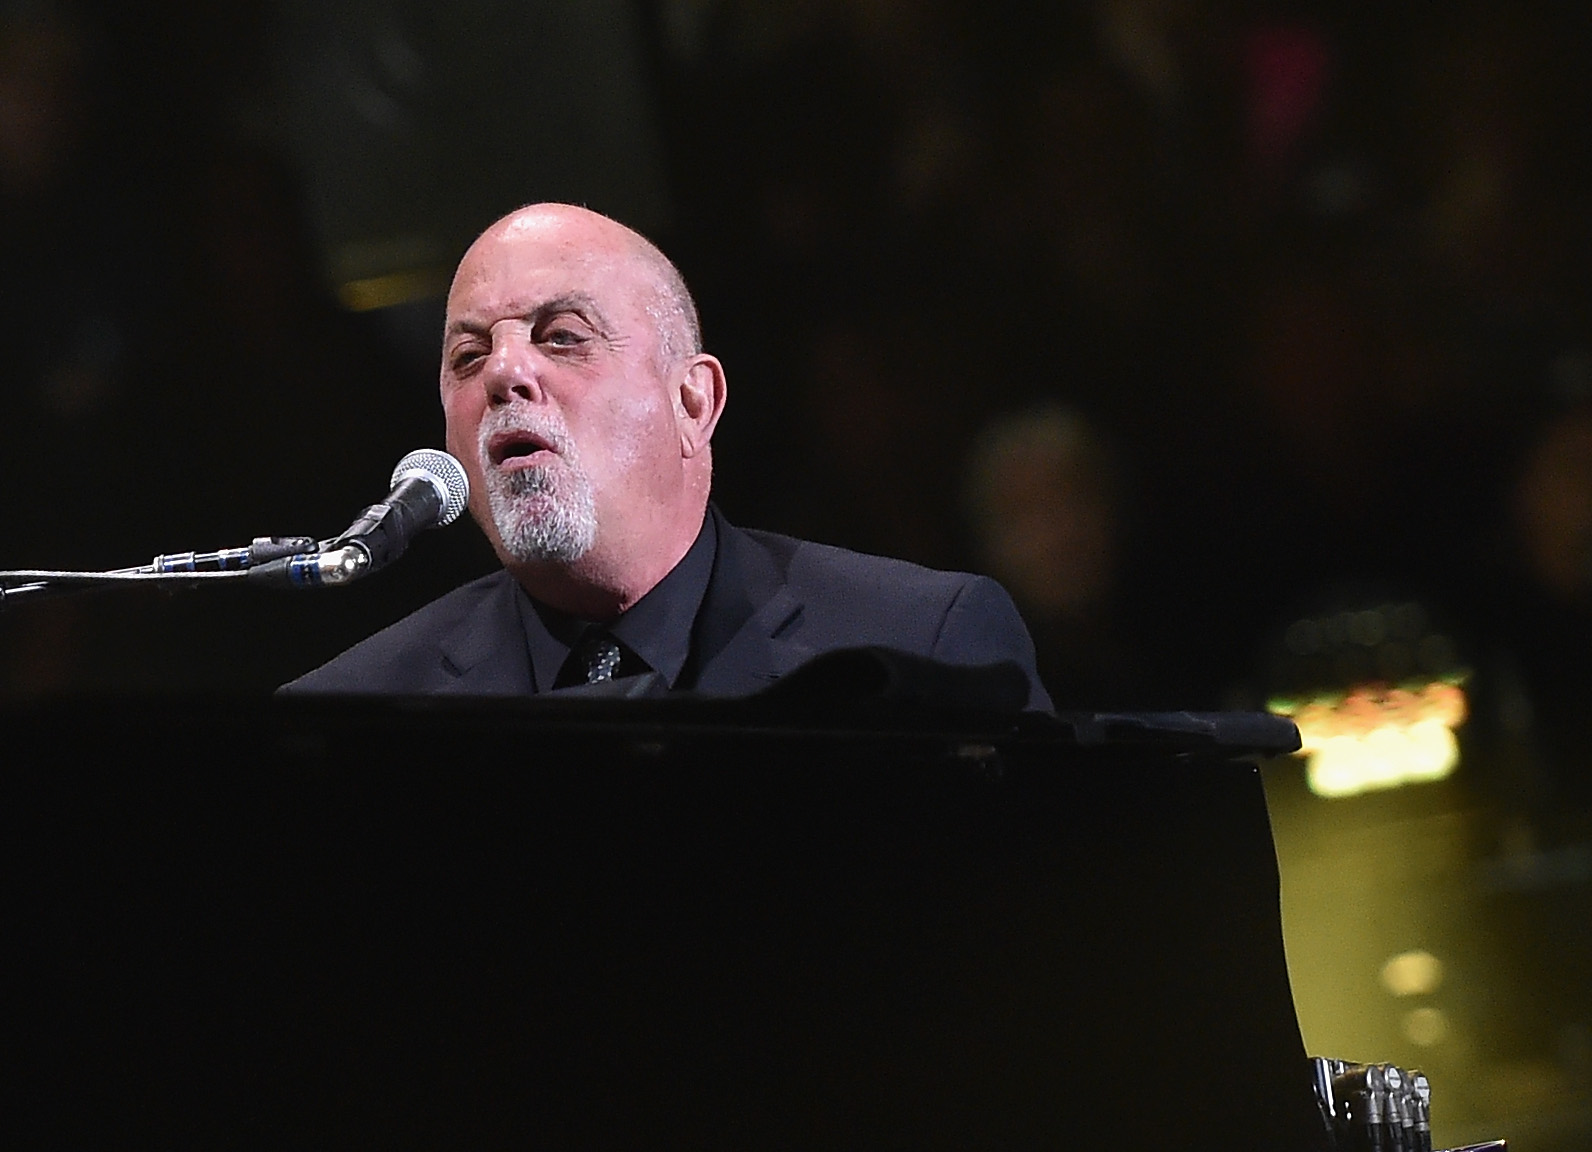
485	653
754	657
740	644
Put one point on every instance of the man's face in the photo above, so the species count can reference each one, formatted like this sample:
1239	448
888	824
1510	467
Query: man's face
556	397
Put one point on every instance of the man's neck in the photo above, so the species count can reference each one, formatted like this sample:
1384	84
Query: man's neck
600	587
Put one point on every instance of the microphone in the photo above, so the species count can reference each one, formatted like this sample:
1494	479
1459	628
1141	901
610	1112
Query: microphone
429	490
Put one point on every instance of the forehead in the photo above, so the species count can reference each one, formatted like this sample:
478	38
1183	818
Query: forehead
520	264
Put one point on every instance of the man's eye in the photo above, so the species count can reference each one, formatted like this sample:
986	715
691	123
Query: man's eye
463	358
564	331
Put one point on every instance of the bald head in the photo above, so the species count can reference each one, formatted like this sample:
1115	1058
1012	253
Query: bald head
665	297
577	394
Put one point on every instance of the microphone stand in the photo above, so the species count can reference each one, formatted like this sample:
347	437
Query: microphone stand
188	569
429	489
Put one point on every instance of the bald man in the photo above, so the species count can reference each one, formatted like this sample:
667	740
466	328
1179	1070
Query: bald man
579	399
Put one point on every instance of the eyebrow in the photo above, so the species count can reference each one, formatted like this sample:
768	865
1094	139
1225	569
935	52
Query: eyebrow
568	302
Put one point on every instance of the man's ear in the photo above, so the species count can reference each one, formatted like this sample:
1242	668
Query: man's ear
699	400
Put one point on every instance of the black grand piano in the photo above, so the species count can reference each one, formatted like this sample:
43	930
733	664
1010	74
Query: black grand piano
787	923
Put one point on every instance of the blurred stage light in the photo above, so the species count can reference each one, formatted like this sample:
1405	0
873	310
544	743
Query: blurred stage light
1416	973
1373	737
371	293
1426	1027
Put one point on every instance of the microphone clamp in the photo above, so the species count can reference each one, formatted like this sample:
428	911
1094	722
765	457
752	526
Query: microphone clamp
429	490
329	569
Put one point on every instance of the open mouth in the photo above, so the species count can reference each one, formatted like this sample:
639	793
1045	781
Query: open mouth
515	448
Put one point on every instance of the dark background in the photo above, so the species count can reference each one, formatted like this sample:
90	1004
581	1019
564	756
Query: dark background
1188	320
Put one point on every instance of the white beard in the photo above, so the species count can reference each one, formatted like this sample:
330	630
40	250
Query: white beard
543	514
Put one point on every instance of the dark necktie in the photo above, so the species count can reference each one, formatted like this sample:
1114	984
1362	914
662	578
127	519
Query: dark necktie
596	657
601	657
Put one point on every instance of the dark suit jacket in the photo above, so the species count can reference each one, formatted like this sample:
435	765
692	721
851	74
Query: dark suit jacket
772	604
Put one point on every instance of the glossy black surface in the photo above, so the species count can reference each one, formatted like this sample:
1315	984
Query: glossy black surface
608	926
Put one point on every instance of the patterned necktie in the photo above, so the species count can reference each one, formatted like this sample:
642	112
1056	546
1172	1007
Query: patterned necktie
601	656
595	658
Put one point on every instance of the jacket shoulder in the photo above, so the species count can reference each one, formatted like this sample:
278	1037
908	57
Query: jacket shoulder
851	599
806	563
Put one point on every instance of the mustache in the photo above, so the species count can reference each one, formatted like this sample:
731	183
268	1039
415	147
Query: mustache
522	419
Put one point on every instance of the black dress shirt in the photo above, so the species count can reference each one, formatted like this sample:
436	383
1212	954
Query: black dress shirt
657	629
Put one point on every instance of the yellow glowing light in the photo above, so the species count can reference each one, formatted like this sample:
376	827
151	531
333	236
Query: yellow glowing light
1426	1027
1378	737
1412	974
375	292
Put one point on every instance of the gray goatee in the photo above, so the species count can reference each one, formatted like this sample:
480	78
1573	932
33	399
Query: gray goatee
545	513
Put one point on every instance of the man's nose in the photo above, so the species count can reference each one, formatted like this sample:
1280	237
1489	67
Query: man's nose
511	373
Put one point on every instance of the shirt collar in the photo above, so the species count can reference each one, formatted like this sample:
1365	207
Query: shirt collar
657	628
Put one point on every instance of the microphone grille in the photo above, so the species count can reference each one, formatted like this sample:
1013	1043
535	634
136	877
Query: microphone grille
446	475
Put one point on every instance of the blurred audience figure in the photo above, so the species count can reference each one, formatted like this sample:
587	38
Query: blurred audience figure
1497	153
72	307
1045	506
178	375
880	456
1554	509
73	302
1538	612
